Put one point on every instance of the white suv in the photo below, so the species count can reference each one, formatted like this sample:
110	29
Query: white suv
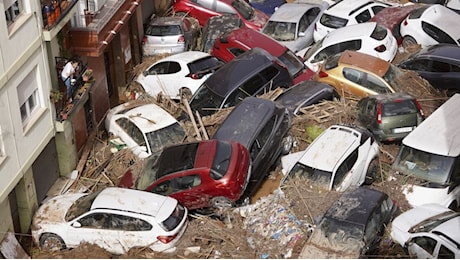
339	158
344	13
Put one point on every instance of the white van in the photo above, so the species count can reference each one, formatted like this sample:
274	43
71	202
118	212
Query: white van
431	154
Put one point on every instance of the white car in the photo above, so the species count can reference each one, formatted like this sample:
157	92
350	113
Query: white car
428	231
429	25
144	128
292	24
346	12
178	74
369	38
116	219
339	158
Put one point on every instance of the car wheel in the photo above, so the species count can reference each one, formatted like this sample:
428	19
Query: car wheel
221	202
51	242
286	144
185	93
372	171
408	41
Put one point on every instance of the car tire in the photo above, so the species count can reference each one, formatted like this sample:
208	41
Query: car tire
408	41
372	171
221	202
51	242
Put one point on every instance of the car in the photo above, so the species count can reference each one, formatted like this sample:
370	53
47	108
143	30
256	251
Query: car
357	74
143	128
304	94
200	174
390	117
169	35
352	227
115	219
293	23
439	64
202	10
178	75
428	231
233	43
453	5
252	73
392	17
429	25
341	157
266	6
262	127
345	13
370	38
217	25
429	158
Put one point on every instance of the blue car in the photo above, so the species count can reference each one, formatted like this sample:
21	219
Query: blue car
266	6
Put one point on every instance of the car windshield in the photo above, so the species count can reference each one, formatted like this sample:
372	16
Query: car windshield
313	49
244	9
80	206
171	134
205	99
333	21
339	236
167	30
318	177
280	31
428	167
292	62
221	160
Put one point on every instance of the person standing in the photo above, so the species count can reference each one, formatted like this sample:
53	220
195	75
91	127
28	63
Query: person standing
67	75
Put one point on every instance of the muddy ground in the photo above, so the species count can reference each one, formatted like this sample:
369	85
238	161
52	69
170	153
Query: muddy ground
245	233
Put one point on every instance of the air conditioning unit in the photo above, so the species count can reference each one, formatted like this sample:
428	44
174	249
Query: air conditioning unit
95	5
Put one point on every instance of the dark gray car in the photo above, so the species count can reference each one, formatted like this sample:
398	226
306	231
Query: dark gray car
261	126
390	117
251	73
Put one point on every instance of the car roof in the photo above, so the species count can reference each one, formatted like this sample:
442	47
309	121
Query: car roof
331	147
392	16
354	31
251	38
246	120
291	12
441	50
344	8
388	97
365	62
166	20
148	117
233	73
301	91
132	200
449	229
186	56
356	205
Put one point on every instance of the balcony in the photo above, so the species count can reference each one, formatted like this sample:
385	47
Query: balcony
54	21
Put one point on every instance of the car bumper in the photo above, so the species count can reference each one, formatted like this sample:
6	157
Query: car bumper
150	50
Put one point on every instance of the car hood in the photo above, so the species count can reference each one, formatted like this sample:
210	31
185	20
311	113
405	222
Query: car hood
402	223
417	195
55	209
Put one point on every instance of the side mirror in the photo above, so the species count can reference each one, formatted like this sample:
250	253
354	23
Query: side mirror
76	224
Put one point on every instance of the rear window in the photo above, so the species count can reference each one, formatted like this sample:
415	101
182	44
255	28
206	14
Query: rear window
333	21
221	160
332	62
292	62
168	30
174	220
417	13
399	107
379	33
436	33
204	64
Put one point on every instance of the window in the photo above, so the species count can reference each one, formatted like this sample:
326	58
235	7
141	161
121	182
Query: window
132	130
363	17
445	253
13	9
344	168
28	96
427	243
436	33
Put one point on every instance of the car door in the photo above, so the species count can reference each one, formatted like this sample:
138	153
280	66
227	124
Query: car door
168	79
442	74
423	246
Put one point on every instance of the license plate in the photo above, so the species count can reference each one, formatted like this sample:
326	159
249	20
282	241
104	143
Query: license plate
402	130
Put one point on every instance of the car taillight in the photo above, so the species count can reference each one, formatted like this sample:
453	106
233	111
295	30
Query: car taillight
381	48
322	74
379	113
195	76
420	108
144	40
166	239
181	39
405	22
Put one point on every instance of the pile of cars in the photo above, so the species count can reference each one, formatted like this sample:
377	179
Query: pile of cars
309	51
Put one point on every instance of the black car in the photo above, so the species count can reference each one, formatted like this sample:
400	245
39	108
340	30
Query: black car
305	93
251	73
352	227
261	126
217	25
439	64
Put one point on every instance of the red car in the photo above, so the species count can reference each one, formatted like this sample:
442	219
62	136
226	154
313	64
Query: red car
391	18
233	43
204	174
204	9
